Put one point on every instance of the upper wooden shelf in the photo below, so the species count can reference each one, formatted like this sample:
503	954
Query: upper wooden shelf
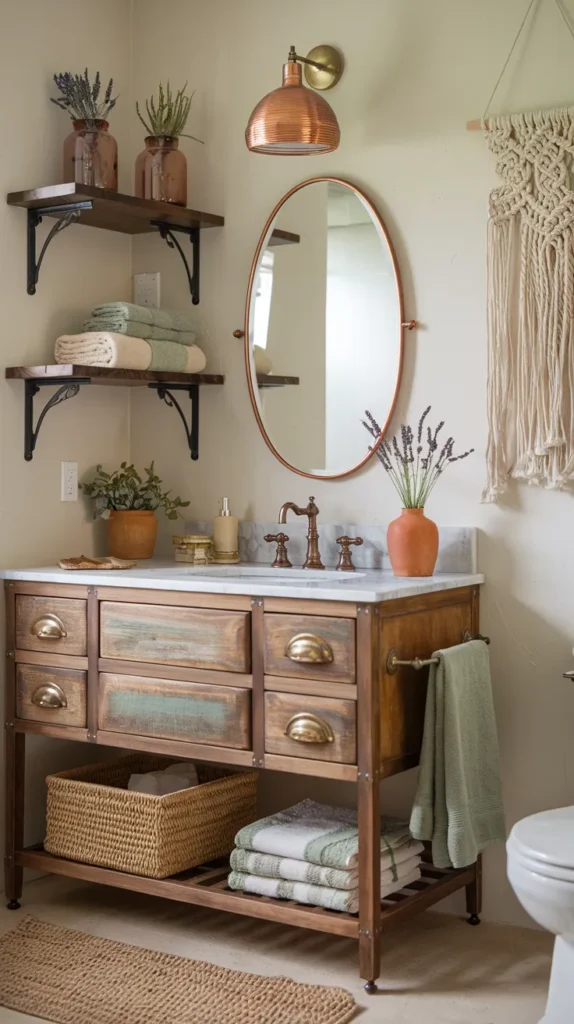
61	373
112	210
279	237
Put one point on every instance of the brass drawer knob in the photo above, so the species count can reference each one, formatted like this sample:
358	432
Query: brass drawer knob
49	627
308	728
49	695
309	649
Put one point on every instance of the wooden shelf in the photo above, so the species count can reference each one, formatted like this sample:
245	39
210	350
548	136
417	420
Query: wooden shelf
275	380
206	886
279	237
61	374
112	211
68	379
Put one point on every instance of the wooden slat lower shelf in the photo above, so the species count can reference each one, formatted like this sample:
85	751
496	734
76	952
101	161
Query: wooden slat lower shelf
206	886
59	373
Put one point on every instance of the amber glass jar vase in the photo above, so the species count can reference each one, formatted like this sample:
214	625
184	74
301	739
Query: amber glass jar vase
161	171
91	155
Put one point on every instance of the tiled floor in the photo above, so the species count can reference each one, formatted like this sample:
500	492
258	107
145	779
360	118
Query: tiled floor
435	970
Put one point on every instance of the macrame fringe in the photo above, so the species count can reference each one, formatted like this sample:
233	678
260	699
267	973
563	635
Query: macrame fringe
531	303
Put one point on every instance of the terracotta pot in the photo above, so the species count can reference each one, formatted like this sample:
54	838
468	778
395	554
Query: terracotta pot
132	534
412	543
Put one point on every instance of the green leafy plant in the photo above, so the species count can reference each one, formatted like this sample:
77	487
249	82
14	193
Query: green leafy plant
125	490
167	115
413	465
81	100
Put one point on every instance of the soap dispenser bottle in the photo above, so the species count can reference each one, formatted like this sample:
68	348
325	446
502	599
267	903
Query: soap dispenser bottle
225	536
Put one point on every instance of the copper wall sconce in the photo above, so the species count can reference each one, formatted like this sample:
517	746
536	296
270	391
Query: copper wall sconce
293	120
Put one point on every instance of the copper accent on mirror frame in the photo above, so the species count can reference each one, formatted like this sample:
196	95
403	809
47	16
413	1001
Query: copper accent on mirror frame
281	556
247	353
292	120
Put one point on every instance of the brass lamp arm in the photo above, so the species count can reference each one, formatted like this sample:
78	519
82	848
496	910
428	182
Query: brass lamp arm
305	60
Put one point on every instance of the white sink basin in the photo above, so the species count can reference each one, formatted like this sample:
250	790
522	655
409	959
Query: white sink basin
264	572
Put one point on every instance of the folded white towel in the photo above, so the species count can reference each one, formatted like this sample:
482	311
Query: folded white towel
395	863
170	780
345	900
106	348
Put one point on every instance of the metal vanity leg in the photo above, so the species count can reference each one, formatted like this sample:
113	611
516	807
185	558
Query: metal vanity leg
474	894
369	796
15	759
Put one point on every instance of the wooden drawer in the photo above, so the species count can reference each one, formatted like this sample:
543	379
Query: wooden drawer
55	695
217	715
325	728
311	646
51	624
191	637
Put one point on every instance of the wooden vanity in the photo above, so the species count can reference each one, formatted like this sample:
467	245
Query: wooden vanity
295	685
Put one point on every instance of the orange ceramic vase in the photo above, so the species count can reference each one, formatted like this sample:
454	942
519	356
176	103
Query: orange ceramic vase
412	543
132	534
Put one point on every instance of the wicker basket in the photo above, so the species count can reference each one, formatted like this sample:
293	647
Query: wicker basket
92	817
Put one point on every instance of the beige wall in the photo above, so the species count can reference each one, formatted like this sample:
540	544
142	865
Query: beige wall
415	73
82	267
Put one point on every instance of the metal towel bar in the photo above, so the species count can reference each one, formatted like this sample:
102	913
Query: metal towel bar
393	662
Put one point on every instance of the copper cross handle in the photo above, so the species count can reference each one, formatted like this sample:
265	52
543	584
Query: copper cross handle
345	563
281	558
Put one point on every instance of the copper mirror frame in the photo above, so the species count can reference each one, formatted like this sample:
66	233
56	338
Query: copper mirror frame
409	325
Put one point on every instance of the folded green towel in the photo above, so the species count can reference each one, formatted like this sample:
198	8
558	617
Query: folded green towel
168	318
136	329
458	804
166	355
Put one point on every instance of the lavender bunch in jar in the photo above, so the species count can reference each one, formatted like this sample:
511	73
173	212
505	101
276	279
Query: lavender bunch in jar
90	152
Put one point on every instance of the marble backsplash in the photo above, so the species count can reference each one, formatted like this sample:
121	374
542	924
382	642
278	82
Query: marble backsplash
457	546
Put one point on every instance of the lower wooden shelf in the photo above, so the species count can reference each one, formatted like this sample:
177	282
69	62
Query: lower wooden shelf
206	886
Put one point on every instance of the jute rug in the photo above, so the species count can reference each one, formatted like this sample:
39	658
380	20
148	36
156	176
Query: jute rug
72	978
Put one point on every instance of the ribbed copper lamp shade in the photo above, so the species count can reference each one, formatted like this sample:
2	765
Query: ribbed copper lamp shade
292	120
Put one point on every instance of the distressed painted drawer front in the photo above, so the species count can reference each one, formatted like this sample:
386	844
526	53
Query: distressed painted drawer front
37	688
317	728
52	624
293	641
216	715
194	637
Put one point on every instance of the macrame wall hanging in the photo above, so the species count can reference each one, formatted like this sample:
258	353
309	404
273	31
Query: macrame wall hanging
531	296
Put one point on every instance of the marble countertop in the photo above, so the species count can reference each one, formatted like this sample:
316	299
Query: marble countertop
363	586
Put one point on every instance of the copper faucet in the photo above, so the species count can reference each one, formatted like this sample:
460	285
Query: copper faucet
313	557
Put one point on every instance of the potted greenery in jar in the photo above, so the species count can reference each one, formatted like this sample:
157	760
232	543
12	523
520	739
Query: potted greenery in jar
414	464
129	503
90	152
161	169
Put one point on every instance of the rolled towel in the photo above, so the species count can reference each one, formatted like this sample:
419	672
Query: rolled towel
261	360
345	900
317	833
394	863
105	348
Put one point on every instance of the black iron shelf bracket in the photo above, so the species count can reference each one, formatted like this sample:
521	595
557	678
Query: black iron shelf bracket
167	233
164	391
66	215
31	388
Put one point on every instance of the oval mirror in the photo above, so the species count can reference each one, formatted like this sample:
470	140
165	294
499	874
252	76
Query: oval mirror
323	328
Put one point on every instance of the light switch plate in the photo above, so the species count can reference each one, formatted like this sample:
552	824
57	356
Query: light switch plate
69	481
147	290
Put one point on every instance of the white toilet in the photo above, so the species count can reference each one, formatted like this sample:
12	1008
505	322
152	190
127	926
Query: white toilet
541	872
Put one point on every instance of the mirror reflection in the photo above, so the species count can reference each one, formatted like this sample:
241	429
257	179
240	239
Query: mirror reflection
325	331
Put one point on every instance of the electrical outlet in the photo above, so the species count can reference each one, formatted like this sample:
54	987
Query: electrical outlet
147	290
69	481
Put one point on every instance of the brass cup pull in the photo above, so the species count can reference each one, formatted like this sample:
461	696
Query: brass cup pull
309	649
49	627
49	695
307	728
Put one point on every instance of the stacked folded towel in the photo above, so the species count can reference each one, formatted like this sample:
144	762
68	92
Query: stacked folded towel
106	348
310	853
142	322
